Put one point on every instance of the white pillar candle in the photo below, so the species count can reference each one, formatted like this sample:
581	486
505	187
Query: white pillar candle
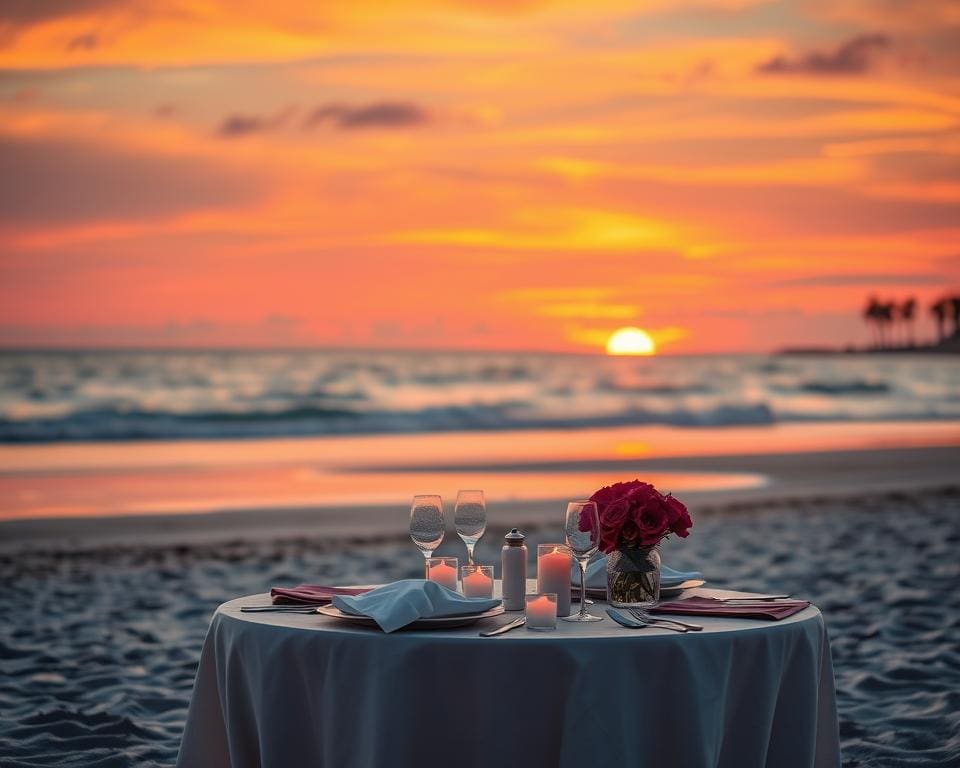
553	574
443	570
477	580
542	611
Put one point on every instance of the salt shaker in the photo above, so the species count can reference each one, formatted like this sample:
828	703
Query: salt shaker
513	571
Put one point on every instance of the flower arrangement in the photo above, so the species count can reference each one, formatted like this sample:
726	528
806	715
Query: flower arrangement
635	515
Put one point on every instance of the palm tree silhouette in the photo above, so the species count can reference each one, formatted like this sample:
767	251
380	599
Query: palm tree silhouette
885	317
939	312
871	317
955	312
907	311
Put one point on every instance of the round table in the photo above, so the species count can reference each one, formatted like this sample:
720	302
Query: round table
281	690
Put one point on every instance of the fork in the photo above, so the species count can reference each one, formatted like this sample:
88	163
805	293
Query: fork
641	615
634	623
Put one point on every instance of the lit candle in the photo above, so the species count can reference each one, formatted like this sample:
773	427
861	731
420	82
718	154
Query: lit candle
443	570
542	612
477	580
553	574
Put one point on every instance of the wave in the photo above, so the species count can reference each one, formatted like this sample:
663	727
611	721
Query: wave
854	387
48	397
302	422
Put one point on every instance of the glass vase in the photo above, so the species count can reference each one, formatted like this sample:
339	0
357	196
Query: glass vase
633	577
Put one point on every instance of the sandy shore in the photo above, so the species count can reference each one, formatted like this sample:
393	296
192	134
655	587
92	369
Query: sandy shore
109	613
99	662
777	478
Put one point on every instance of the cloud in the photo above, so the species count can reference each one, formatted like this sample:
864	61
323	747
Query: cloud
382	114
70	181
235	126
243	125
853	57
24	13
85	42
379	114
864	278
272	330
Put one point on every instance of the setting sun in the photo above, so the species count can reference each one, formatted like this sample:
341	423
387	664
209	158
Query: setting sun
630	341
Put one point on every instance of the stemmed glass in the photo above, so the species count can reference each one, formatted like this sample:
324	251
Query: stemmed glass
426	525
470	518
582	531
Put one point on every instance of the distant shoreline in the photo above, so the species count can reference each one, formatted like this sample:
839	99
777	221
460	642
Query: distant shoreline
949	346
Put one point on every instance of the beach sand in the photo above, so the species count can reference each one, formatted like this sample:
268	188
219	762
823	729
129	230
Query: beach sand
105	618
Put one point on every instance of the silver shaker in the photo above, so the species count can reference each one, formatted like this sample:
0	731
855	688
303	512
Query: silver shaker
513	571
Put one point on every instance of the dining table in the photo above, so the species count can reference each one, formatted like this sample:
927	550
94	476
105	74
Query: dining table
280	689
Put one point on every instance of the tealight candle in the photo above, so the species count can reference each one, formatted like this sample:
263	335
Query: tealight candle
443	570
542	611
553	573
477	580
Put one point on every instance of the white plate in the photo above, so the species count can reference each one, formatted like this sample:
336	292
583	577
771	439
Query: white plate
677	589
441	622
600	593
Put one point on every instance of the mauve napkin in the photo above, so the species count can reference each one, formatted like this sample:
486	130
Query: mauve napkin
395	605
310	594
597	575
708	606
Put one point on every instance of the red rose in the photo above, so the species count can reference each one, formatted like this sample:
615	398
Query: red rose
630	532
680	522
637	514
653	521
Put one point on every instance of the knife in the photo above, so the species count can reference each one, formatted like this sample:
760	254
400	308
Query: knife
518	622
753	598
279	609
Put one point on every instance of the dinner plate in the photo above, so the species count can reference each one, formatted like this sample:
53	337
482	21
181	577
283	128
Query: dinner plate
440	622
676	589
600	593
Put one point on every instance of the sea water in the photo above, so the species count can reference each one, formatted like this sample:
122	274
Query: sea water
69	396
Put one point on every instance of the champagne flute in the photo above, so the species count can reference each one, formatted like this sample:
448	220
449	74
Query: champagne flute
470	518
582	532
426	525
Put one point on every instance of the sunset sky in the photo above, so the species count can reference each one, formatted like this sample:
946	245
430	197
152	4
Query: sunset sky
726	174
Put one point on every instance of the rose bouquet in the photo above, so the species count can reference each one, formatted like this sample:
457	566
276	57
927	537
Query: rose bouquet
634	518
636	515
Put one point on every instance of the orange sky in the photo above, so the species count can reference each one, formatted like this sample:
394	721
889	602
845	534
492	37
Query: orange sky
728	174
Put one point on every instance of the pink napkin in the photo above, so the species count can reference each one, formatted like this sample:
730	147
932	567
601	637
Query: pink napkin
708	606
311	594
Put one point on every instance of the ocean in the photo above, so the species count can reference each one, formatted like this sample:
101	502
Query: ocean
142	489
140	395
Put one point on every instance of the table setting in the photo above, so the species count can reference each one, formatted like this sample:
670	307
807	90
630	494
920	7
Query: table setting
568	631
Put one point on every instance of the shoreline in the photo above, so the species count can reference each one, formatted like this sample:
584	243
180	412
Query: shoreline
791	481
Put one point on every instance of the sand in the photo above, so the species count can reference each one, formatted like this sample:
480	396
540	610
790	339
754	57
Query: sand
783	477
105	621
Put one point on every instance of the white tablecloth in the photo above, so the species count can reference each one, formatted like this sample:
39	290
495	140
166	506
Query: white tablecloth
281	691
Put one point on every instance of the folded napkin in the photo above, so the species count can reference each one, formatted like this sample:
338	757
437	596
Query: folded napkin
708	606
597	575
395	605
310	594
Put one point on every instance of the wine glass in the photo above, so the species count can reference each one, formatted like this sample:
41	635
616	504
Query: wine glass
582	531
470	518
426	525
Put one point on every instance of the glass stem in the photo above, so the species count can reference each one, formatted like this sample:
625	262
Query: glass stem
426	566
470	552
583	586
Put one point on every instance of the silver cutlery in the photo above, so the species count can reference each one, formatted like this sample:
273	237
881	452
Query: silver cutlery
635	623
752	598
644	616
279	609
518	622
641	615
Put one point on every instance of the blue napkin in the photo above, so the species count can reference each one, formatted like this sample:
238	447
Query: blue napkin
597	574
395	605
